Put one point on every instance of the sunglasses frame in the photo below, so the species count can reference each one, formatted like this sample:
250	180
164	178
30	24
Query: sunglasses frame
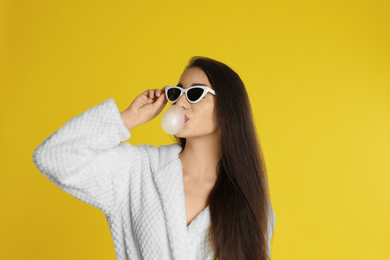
185	90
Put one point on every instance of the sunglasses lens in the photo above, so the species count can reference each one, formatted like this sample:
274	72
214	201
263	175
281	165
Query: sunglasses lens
173	94
194	94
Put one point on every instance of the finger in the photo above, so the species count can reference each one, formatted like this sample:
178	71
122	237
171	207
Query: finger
148	96
163	89
162	92
160	102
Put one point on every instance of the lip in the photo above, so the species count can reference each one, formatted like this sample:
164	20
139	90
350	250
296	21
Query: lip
186	119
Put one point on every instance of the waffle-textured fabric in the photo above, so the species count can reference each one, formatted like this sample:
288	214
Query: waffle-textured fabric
139	188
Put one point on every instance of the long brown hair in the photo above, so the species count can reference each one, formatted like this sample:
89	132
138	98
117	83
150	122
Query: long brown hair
239	202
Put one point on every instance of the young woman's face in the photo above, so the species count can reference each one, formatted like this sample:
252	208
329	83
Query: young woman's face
202	115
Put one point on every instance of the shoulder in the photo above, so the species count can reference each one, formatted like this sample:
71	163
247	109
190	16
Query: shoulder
162	155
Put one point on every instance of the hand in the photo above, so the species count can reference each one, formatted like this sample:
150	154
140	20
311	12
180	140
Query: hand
147	105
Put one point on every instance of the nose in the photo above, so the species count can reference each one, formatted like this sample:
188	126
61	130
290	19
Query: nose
182	101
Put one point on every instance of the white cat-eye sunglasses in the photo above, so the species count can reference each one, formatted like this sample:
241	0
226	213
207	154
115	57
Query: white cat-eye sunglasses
194	94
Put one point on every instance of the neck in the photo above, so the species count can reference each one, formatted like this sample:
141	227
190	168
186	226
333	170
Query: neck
200	158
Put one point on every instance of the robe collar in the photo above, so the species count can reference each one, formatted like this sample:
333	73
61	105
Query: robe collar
169	182
170	185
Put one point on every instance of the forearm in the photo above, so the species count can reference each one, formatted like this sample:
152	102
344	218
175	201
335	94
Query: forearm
129	119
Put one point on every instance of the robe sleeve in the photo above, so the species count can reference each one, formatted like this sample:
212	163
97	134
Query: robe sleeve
271	226
271	221
85	158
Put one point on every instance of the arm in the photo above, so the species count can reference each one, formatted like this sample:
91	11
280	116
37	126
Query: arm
85	158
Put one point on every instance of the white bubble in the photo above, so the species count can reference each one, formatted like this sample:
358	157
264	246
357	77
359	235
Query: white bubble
173	120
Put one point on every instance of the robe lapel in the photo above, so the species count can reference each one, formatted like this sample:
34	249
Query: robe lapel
169	182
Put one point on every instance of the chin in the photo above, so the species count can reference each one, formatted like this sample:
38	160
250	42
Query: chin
181	134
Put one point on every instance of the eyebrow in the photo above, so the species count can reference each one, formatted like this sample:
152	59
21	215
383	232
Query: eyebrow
181	85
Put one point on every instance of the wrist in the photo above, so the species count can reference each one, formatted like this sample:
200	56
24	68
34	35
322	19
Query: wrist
129	119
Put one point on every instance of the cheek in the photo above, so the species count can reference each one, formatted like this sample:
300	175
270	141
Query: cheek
210	116
206	115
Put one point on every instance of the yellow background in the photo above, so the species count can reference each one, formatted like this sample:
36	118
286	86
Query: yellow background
318	77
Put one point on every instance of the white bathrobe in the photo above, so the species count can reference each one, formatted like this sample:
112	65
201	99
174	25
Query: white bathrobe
139	188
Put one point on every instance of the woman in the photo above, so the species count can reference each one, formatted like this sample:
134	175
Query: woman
203	197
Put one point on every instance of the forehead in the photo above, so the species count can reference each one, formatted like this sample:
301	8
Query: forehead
193	75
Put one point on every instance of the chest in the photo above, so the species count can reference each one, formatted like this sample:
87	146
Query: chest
196	197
